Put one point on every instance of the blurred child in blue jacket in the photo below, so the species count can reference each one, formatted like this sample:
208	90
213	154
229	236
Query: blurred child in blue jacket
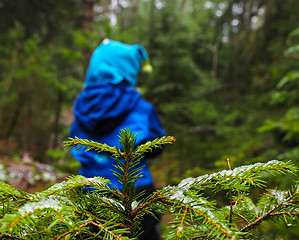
110	103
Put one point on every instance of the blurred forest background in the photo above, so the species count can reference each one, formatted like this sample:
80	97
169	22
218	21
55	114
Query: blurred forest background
225	80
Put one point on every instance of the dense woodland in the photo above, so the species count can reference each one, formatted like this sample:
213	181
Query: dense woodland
224	81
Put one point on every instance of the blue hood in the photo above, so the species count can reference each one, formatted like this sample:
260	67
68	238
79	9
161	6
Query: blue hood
114	62
102	107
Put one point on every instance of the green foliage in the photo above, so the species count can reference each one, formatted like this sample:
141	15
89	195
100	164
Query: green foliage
69	209
224	79
285	97
211	79
35	80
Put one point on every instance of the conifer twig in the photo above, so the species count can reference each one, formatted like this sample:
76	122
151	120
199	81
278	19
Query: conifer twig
155	198
179	229
72	230
285	213
266	215
206	217
228	163
241	216
230	197
105	229
9	236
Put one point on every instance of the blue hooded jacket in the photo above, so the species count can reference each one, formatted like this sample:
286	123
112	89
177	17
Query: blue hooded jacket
108	104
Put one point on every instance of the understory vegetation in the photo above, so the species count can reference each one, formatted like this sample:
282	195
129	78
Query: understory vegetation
69	209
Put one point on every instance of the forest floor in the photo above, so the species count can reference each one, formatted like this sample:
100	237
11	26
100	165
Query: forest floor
29	175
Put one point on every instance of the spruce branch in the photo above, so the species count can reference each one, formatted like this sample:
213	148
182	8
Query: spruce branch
271	212
74	182
230	196
238	179
93	218
259	220
147	203
128	170
9	192
106	230
150	145
180	227
9	236
202	214
66	209
71	231
284	213
89	144
103	228
241	216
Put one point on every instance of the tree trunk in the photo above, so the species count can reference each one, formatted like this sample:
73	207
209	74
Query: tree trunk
87	14
15	118
87	19
151	24
54	140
